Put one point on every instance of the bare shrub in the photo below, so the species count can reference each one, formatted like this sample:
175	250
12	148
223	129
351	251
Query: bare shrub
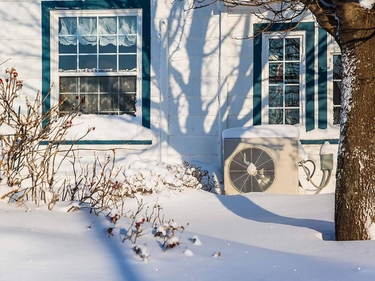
95	185
31	138
207	182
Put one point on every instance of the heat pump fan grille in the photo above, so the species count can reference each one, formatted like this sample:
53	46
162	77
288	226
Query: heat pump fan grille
252	170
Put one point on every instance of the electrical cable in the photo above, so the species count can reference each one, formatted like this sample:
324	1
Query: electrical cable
325	177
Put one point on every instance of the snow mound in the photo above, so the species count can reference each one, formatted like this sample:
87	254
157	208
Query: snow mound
188	253
149	176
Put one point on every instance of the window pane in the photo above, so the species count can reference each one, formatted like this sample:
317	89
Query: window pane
128	62
69	103
127	103
128	84
67	49
90	104
337	67
107	25
88	48
67	26
127	25
108	44
292	96
87	62
87	25
108	62
336	115
292	72
128	49
275	116
89	84
109	102
292	48
67	63
276	96
68	84
275	72
291	116
275	50
108	84
336	93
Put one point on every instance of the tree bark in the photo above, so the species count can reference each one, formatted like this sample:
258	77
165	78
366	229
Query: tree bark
355	185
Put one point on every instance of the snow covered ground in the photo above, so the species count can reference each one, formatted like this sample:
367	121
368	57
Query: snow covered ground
241	237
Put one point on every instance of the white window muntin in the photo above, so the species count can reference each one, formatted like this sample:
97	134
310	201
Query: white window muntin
265	73
56	74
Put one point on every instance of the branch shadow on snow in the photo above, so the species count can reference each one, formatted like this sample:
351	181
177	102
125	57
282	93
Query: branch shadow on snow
112	243
246	208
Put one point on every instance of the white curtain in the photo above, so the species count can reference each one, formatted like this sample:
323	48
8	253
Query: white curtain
105	27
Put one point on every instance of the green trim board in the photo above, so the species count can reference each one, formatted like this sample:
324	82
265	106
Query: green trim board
331	141
322	79
48	6
309	28
257	80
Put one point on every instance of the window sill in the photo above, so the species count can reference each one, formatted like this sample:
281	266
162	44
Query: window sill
109	129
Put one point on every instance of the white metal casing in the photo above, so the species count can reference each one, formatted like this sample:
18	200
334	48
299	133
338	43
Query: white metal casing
261	159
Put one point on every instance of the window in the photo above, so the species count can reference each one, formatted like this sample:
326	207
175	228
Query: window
98	60
337	78
304	55
284	66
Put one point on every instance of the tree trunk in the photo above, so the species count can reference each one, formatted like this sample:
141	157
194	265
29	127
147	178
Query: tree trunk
355	186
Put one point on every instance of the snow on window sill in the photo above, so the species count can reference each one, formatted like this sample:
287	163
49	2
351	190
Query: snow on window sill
331	133
97	70
109	127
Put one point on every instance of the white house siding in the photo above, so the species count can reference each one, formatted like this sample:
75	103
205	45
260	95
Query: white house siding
185	62
20	41
239	69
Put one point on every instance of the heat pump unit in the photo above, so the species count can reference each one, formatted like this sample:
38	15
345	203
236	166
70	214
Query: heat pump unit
261	159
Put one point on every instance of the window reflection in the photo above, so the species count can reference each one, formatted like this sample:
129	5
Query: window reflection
337	79
292	49
275	96
275	50
103	95
292	70
292	96
284	69
276	72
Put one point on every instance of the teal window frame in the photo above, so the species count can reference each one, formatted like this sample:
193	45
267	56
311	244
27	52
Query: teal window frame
310	29
48	6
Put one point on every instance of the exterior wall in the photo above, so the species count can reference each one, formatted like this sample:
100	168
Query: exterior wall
184	49
20	43
201	78
239	69
22	47
185	65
